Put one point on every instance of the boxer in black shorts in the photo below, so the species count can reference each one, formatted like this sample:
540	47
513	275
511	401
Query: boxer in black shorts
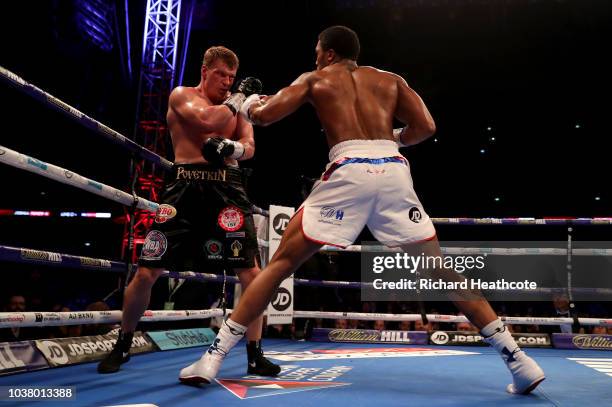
204	219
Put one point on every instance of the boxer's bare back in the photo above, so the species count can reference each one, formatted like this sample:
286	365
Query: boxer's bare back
352	102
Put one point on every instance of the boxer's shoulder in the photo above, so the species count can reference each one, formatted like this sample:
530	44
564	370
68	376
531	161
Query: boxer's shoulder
183	91
309	77
378	74
182	94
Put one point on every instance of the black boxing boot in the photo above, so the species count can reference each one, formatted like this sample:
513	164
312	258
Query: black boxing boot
258	364
119	355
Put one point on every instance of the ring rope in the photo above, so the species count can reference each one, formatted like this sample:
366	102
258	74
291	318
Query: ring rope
523	221
32	256
37	319
80	117
446	318
498	251
27	163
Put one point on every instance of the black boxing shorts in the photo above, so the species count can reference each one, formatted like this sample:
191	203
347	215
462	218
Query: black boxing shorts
204	222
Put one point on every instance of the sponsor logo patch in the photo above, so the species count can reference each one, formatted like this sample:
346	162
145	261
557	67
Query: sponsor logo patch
415	214
164	213
214	249
331	215
236	248
231	219
155	245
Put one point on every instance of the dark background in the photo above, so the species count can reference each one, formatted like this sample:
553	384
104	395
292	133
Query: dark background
533	75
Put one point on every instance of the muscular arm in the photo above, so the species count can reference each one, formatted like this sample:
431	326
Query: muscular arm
244	135
285	102
412	111
205	118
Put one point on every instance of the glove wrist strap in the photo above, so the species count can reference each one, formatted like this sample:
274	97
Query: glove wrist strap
238	150
244	109
397	135
234	102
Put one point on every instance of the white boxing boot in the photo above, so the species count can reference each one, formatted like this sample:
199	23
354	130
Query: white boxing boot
526	374
205	369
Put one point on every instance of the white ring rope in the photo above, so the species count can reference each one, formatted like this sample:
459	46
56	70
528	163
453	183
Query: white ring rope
24	162
497	251
446	318
40	319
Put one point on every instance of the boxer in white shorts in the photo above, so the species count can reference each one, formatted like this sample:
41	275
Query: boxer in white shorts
367	183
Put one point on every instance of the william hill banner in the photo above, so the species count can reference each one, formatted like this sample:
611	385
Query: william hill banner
582	341
368	336
68	351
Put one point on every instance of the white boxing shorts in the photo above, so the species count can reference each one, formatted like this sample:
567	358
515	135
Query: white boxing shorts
367	182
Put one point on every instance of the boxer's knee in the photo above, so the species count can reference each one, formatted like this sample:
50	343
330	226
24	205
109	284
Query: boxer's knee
247	275
147	276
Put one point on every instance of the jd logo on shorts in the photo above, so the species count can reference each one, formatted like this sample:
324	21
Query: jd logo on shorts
282	299
280	223
415	214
